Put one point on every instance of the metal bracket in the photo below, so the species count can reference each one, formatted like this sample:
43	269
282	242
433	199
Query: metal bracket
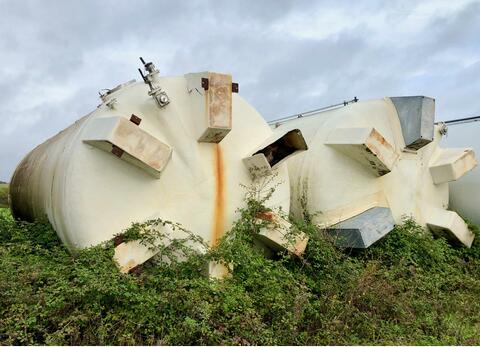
111	104
135	120
150	79
160	96
205	83
117	151
443	128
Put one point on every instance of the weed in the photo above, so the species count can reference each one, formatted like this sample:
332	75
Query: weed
408	288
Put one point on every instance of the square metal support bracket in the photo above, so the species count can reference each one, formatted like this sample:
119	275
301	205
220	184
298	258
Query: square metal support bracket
278	235
417	117
211	102
366	146
129	142
451	164
450	225
364	229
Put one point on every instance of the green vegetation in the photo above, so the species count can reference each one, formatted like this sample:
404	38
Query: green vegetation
3	195
407	289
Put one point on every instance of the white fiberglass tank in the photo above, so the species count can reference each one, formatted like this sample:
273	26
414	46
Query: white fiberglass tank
171	148
371	164
465	193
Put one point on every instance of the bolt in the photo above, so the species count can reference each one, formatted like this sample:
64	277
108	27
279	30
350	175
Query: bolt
163	99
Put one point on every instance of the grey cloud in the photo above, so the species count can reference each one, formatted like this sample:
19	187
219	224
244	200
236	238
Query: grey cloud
80	47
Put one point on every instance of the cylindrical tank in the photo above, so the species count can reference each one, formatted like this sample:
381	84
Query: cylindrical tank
175	148
465	193
371	164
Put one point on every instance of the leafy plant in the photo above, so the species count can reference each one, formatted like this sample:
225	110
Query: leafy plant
3	195
408	288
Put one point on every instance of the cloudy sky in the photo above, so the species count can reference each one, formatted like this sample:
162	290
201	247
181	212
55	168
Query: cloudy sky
288	56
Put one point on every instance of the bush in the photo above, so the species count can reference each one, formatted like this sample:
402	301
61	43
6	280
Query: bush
407	289
3	195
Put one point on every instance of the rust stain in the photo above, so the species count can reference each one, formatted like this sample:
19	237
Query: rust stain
267	216
377	136
219	208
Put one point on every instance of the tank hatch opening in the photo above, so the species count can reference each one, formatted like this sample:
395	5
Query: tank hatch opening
275	151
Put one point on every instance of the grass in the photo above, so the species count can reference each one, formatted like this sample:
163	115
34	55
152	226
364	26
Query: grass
3	195
409	288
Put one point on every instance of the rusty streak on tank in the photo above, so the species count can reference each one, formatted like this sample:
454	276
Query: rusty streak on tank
219	210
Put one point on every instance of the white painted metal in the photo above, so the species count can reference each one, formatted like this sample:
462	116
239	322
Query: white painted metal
90	194
277	233
349	168
465	193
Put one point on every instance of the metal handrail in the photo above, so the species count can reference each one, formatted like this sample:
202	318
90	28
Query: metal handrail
312	112
462	120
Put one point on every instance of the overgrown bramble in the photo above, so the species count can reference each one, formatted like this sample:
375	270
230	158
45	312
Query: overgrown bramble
409	288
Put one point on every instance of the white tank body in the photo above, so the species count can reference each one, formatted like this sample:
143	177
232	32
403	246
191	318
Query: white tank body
92	180
465	193
371	164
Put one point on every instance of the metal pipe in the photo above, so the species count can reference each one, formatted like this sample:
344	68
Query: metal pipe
312	112
463	120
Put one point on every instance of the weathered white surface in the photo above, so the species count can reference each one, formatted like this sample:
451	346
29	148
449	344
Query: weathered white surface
277	234
139	147
212	106
218	270
465	193
129	255
450	225
333	186
89	195
451	164
365	145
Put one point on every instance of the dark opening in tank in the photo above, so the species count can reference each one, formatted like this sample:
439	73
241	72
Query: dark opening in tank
284	147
